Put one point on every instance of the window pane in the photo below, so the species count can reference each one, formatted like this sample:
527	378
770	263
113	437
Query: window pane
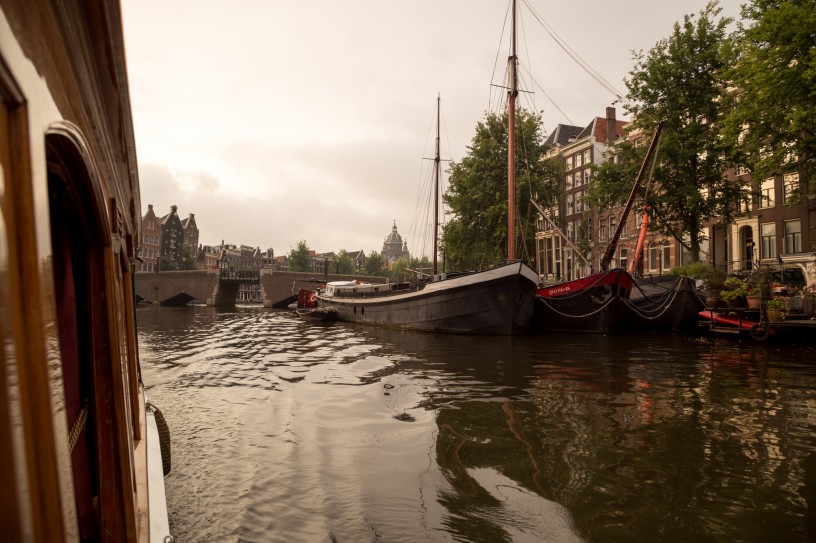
793	237
767	240
767	193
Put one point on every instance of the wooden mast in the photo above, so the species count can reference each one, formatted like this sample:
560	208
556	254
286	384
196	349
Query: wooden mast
511	143
436	190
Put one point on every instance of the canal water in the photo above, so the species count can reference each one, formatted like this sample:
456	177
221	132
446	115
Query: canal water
292	431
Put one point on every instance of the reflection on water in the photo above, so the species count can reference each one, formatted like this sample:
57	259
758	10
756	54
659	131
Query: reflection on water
285	430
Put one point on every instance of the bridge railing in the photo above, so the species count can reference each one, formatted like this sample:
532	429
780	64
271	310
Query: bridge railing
239	276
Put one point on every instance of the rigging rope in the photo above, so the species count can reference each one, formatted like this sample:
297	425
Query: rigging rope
584	65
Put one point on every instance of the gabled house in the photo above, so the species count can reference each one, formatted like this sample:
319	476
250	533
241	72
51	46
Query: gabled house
172	236
150	247
190	231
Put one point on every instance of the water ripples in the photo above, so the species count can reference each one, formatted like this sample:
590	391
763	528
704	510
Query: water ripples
286	430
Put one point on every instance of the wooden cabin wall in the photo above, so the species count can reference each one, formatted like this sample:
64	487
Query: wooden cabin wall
65	110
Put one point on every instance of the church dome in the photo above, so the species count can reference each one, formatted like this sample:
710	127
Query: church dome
394	236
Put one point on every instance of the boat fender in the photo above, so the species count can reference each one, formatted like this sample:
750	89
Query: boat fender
313	298
602	294
164	438
759	332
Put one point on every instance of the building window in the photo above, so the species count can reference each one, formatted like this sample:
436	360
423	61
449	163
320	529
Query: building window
623	231
767	234
745	200
602	230
587	176
586	157
552	248
624	258
571	231
589	228
766	193
653	256
569	181
793	237
612	225
790	188
579	205
665	261
579	160
570	204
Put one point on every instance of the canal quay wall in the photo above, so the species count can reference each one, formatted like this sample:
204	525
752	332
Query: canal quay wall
217	288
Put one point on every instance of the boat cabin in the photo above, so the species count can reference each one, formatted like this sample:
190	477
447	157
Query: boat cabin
75	433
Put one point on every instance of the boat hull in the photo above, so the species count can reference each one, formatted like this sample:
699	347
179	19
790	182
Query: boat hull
673	306
593	304
496	301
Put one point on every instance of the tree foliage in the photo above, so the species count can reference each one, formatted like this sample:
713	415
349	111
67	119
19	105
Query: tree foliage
476	237
399	270
680	81
344	263
168	263
373	264
187	256
300	258
773	104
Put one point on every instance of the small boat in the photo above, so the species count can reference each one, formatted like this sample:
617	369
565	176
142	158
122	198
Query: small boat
734	323
83	453
307	307
494	301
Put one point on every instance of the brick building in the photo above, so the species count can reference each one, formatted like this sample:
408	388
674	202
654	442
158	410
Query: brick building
172	236
190	231
150	247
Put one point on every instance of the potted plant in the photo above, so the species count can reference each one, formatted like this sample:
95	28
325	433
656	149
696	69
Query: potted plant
808	300
714	279
734	292
775	310
759	288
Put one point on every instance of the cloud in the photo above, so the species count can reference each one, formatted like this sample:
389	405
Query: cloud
275	122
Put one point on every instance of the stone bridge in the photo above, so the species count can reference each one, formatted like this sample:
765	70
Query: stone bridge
220	288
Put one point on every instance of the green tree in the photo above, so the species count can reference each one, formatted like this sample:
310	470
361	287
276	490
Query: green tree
300	258
373	264
680	81
476	237
187	256
344	263
167	263
399	270
419	265
773	105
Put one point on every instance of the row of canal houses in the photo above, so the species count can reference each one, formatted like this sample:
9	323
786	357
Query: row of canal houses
773	230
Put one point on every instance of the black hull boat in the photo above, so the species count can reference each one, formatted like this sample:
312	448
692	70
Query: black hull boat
593	304
665	304
496	301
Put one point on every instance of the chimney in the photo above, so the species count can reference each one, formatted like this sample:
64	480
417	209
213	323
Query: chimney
192	216
173	209
611	125
150	207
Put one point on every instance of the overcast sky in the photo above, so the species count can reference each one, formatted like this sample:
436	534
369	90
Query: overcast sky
278	121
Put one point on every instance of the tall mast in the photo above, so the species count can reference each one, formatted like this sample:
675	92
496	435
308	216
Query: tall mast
511	143
436	190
